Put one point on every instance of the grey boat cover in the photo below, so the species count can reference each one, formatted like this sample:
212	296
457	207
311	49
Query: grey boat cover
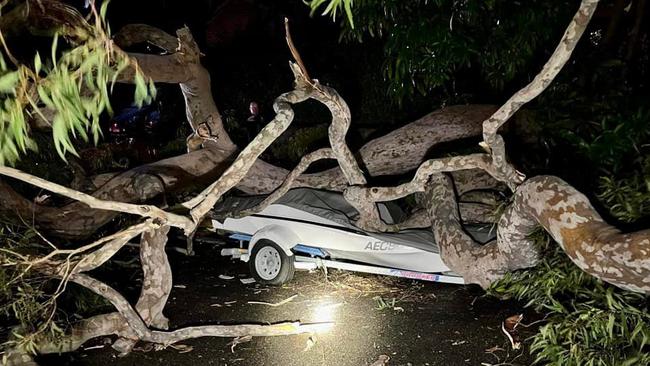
332	206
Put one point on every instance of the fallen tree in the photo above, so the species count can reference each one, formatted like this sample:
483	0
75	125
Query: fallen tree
548	202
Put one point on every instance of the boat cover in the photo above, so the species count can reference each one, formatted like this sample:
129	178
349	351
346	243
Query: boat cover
332	206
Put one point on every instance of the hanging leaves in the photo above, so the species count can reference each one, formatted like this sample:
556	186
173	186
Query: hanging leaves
333	7
75	86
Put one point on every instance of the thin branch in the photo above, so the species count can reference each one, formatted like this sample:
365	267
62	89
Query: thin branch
93	202
108	250
492	141
295	54
132	34
364	199
289	181
204	201
276	304
167	338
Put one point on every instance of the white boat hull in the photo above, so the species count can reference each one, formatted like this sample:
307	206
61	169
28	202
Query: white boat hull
289	227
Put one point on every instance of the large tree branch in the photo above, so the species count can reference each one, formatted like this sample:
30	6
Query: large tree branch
364	199
45	17
481	264
341	119
156	284
114	244
395	153
566	214
204	201
167	338
622	259
493	141
157	278
141	210
289	181
160	68
182	66
77	220
81	332
133	34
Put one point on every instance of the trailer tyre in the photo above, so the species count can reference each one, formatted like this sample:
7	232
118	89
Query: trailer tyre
270	265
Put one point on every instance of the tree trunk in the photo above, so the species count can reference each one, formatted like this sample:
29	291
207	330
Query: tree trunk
622	259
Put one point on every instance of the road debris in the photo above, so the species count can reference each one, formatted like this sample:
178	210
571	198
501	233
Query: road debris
182	348
311	342
382	360
237	341
246	281
494	349
226	277
509	328
94	347
274	304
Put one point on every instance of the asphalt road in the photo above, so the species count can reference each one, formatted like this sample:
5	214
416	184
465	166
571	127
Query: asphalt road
413	323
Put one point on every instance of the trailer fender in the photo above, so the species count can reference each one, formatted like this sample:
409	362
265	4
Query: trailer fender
283	237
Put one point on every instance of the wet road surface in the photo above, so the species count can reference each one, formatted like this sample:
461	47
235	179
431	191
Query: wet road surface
413	323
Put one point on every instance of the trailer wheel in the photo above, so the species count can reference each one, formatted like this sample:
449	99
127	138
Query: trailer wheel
269	264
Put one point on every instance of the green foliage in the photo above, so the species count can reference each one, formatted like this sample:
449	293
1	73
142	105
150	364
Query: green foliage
628	199
36	306
601	117
588	322
24	298
432	43
614	134
333	7
73	84
299	143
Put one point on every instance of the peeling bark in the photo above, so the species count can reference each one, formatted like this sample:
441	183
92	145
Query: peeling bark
493	142
157	278
156	285
480	264
477	213
622	259
181	66
364	198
